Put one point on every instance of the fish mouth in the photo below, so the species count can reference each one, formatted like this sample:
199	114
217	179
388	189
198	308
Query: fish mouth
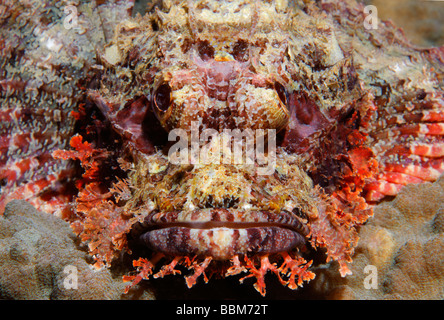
223	233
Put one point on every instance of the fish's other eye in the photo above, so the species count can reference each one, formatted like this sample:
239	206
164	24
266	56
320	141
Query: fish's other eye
162	97
282	93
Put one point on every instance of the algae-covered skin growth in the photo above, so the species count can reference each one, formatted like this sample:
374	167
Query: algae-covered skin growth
226	137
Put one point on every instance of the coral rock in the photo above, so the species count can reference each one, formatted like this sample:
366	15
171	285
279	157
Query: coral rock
38	256
404	242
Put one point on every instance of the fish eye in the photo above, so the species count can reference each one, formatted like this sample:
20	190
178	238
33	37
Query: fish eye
162	97
282	92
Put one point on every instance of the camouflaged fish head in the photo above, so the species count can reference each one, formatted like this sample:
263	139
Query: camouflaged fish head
238	136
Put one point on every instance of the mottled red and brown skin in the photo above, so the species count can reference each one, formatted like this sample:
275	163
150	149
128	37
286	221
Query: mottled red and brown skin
358	114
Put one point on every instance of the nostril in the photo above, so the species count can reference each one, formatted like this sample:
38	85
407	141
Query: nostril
240	51
206	51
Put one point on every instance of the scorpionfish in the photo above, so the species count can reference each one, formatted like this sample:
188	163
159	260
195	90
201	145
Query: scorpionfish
226	137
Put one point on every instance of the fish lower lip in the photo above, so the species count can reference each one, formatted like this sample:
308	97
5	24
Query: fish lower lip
221	233
222	243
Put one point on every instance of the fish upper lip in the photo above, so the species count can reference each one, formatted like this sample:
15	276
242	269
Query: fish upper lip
210	218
